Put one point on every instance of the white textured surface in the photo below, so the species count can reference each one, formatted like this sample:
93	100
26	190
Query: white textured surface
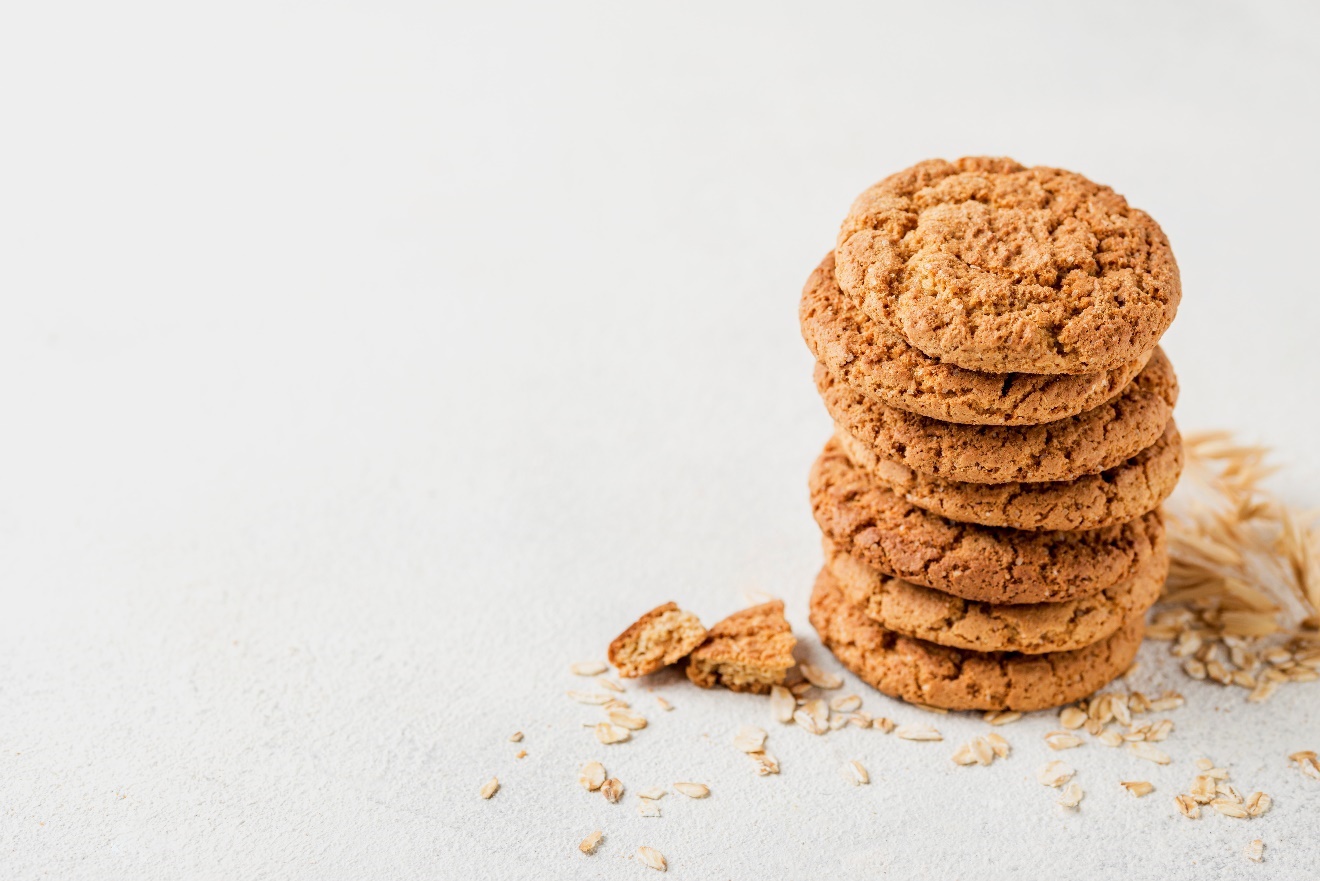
365	364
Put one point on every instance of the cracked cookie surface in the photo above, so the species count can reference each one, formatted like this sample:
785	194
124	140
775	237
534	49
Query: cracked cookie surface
1030	628
922	672
986	563
879	364
1117	495
1088	443
751	650
993	266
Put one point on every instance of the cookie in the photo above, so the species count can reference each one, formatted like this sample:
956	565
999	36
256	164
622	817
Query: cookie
1117	495
1088	443
985	563
882	366
750	651
936	675
1030	628
993	266
663	636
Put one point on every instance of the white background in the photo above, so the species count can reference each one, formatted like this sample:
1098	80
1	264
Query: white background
363	364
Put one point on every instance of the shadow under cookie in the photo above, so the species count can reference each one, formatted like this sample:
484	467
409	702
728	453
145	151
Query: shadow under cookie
922	672
985	563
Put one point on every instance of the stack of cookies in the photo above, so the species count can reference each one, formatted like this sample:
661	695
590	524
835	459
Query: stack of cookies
986	344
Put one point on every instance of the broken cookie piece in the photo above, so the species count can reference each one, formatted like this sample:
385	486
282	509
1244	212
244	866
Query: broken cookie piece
663	636
750	650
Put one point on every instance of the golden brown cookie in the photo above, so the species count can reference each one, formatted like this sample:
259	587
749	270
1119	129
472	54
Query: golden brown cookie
1030	628
1117	495
663	636
993	266
1088	443
750	650
939	676
985	563
881	365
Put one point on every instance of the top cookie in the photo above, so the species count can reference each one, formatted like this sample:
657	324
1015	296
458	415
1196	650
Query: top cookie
878	363
992	266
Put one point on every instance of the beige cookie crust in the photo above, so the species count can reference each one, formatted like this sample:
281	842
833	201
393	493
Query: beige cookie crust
1030	628
880	365
993	266
1088	443
984	563
1122	493
919	671
748	651
663	636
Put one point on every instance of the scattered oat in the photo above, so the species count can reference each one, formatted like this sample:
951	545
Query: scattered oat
1110	737
1170	700
588	668
1138	787
1204	764
846	703
1229	808
625	719
884	724
609	684
647	808
782	703
800	688
1149	753
595	699
855	773
1002	717
1072	718
664	704
651	858
1058	740
1071	796
654	793
591	842
859	720
1188	806
516	737
1307	763
811	719
918	732
750	739
1257	804
1202	789
964	755
591	776
490	787
692	790
1055	774
998	745
1255	851
820	678
612	789
607	733
520	754
836	722
766	764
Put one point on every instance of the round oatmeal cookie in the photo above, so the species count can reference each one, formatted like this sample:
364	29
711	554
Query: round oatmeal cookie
993	266
1117	495
882	366
1030	628
1088	443
956	679
986	563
